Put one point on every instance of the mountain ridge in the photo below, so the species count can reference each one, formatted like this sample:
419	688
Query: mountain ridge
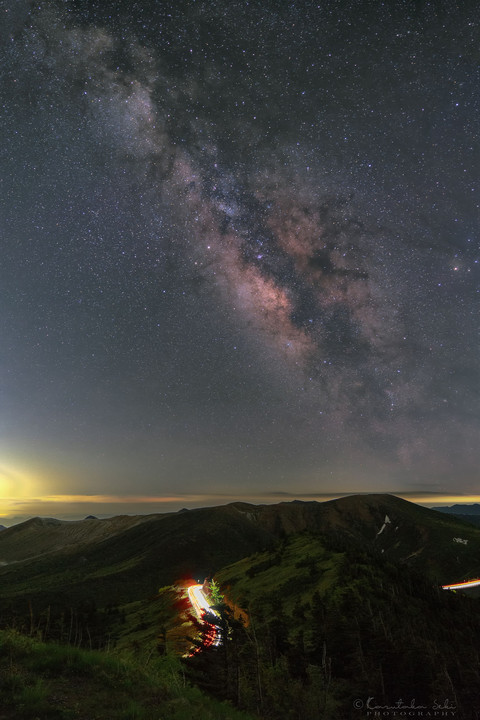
129	556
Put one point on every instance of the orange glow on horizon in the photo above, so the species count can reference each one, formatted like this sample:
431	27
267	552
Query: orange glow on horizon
440	499
123	499
24	503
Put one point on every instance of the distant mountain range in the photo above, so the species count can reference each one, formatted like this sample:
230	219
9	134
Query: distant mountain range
468	513
460	509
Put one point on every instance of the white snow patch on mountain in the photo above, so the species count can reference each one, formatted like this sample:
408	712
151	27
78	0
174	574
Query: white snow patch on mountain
385	523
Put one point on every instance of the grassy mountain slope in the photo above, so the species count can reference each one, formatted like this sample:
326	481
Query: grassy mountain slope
327	627
53	682
422	538
38	536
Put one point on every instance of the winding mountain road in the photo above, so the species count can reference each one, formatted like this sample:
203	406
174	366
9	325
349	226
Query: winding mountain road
198	600
201	605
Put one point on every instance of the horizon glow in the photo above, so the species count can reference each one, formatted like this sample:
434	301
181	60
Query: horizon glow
75	507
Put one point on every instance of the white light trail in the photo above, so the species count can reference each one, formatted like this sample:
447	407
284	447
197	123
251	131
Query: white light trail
201	606
462	585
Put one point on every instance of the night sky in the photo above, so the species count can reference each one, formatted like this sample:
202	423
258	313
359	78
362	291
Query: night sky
240	251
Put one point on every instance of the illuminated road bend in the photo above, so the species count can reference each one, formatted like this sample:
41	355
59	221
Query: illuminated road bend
201	605
199	600
195	602
462	585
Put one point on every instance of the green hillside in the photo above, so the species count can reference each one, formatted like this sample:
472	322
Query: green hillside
297	569
322	628
40	681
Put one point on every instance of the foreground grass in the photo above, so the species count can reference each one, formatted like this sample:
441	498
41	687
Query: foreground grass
44	681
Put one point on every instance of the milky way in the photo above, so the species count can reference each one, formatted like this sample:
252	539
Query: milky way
240	246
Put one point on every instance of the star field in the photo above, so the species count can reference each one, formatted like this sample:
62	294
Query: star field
240	247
